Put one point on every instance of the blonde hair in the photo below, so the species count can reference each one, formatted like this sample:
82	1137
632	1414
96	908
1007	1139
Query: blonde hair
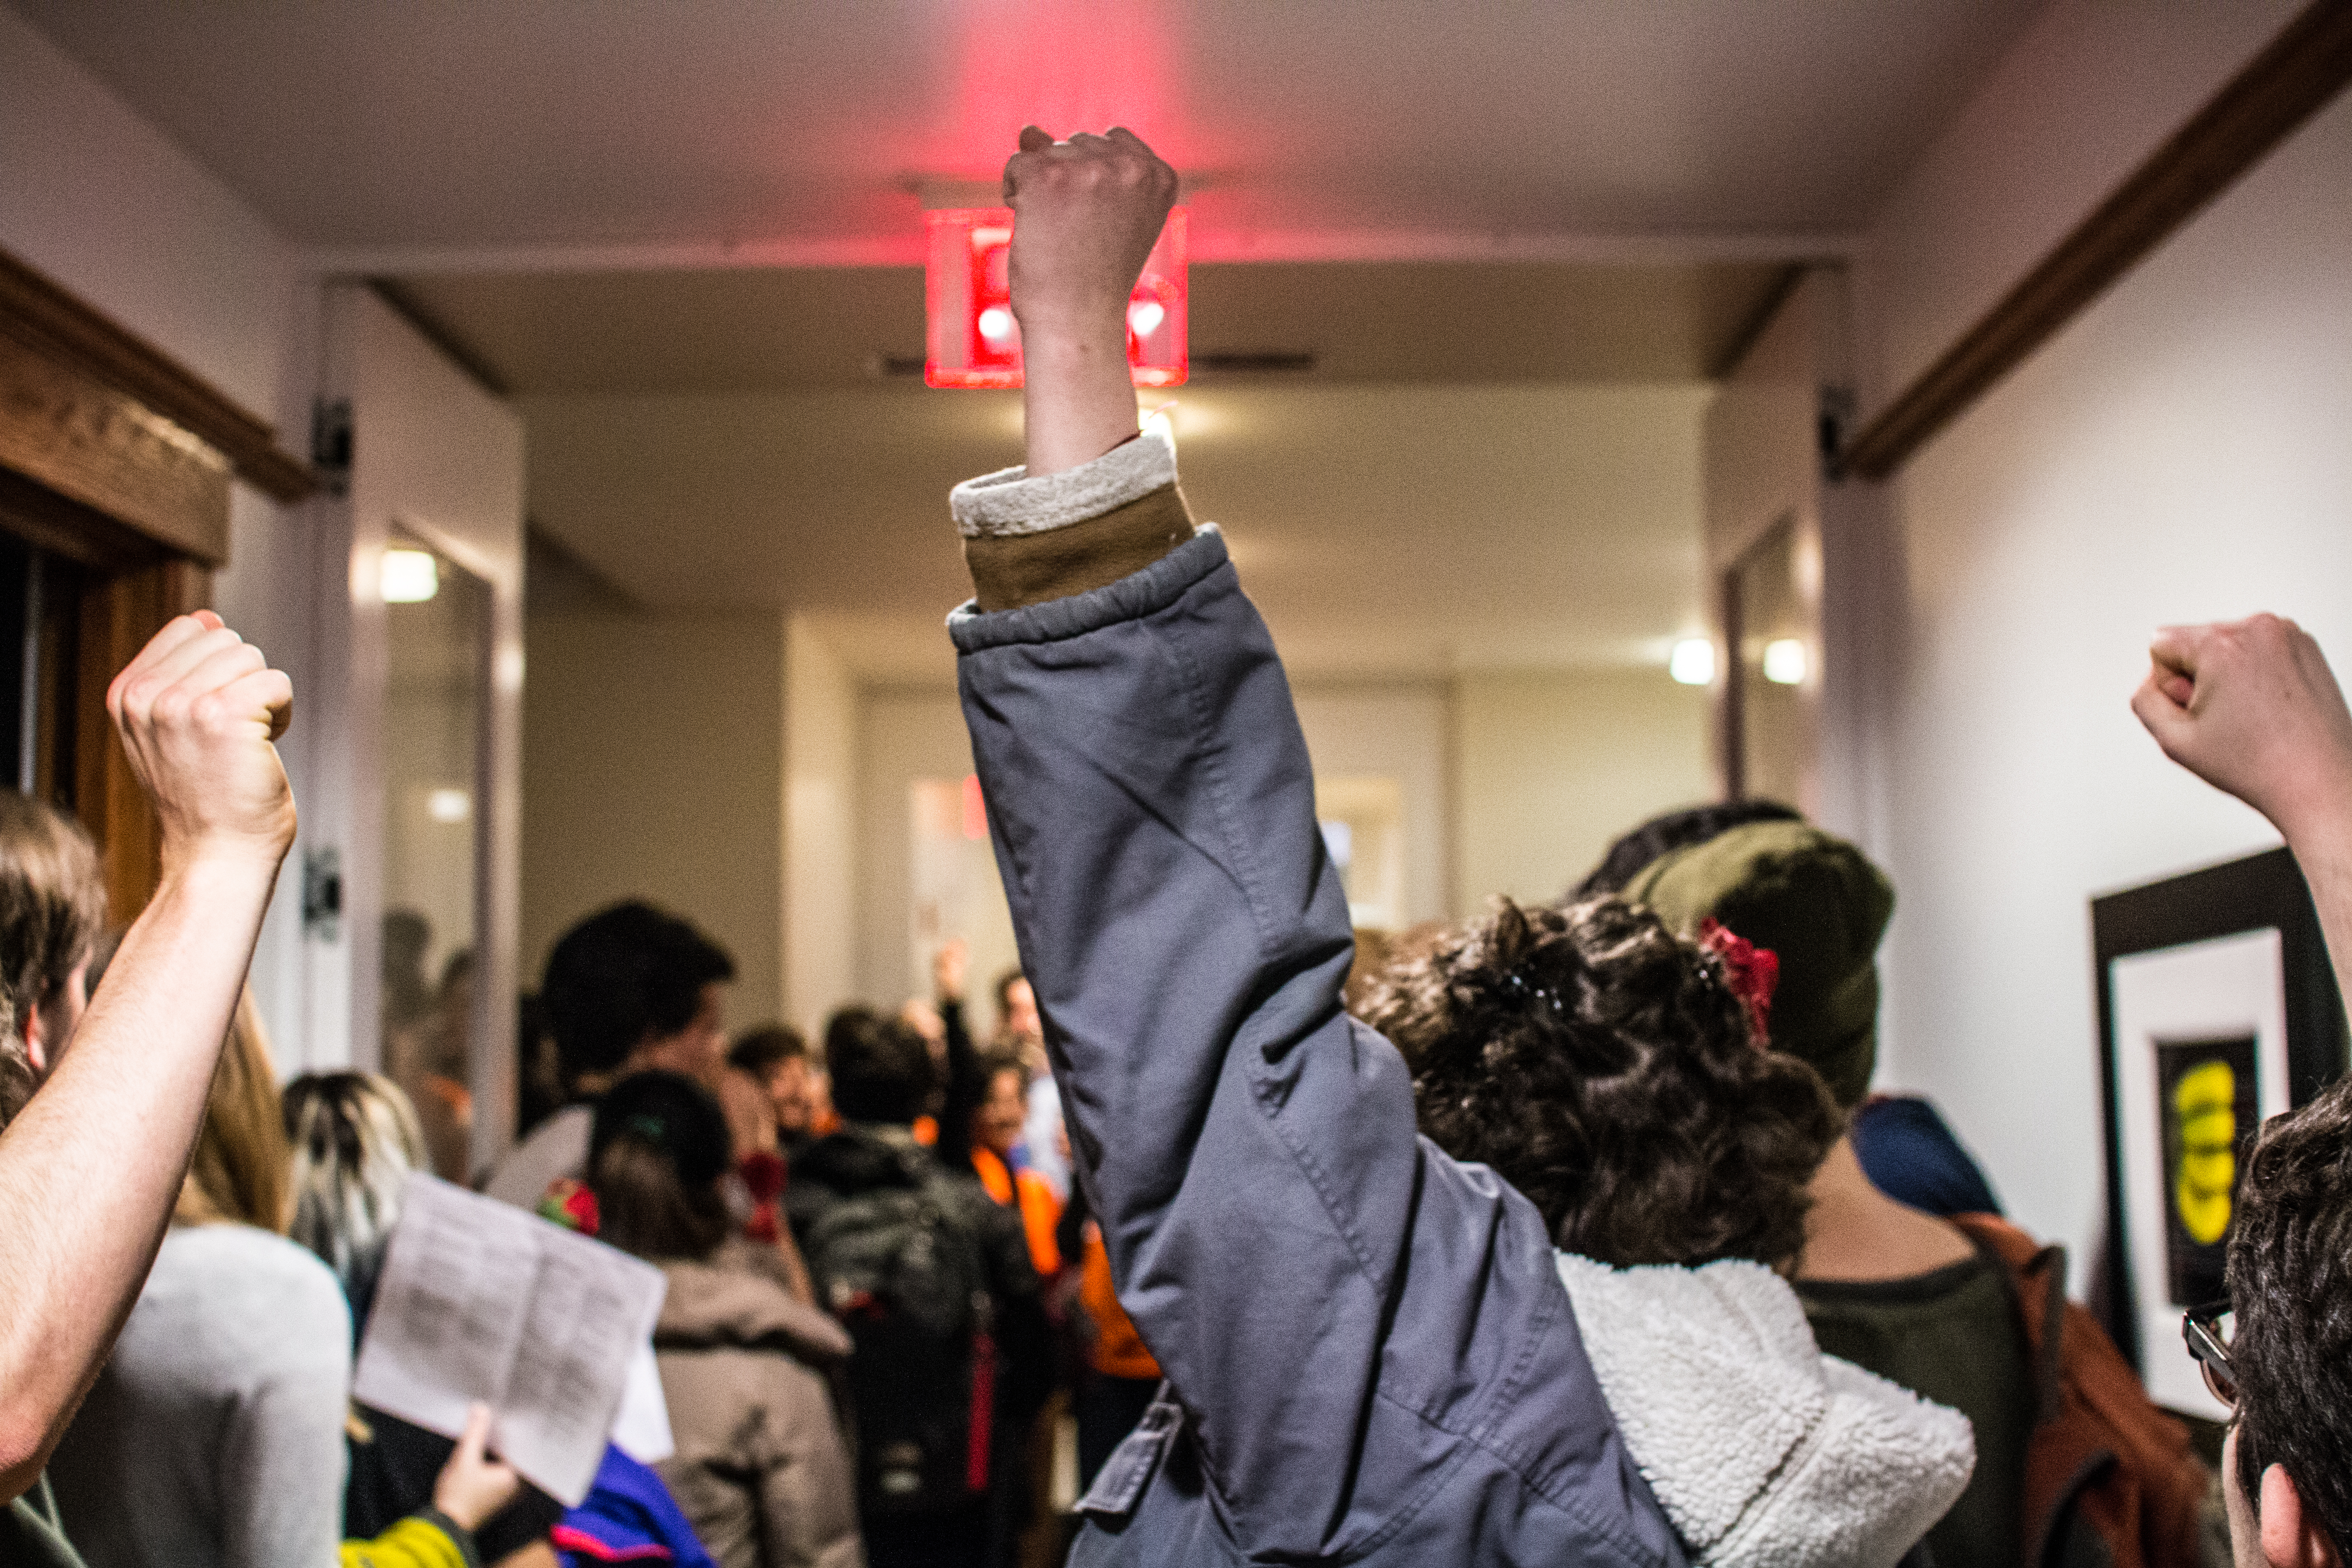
356	1139
239	1172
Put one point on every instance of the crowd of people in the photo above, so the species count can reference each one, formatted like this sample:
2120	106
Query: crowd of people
1565	1234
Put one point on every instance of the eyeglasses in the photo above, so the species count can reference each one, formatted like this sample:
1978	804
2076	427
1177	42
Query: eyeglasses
2202	1331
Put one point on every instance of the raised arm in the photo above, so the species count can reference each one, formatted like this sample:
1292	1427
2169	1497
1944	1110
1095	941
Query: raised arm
2251	707
1369	1341
90	1168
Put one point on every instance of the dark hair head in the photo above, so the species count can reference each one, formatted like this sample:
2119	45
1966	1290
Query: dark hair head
1670	831
656	1152
623	976
1004	988
760	1051
1602	1065
52	901
2291	1285
881	1067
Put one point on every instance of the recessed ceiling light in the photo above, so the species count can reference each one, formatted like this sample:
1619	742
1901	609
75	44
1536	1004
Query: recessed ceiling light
1784	661
410	576
1692	662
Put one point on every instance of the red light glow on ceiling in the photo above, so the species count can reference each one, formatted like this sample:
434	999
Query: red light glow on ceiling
973	340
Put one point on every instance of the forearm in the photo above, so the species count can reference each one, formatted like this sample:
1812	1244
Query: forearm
89	1170
2321	839
1078	400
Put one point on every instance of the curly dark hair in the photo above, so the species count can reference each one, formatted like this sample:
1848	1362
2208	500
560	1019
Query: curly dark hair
1602	1065
2291	1285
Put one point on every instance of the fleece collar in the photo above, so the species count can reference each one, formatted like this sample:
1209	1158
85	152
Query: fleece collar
1761	1449
1009	502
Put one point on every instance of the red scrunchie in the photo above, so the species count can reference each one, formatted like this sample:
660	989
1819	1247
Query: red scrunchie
1753	972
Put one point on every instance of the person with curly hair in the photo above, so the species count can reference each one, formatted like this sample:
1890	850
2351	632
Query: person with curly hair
1612	1072
2251	707
1371	1354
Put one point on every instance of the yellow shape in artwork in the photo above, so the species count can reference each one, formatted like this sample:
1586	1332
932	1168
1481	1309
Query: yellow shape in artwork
2206	1102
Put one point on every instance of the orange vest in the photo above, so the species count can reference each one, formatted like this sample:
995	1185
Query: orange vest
1117	1349
1041	1211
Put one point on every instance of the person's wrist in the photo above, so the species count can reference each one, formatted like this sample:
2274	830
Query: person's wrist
223	864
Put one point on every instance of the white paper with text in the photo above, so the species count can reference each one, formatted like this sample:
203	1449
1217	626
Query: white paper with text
481	1301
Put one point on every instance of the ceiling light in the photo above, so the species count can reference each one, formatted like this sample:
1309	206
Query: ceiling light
972	339
1784	661
410	576
1692	662
448	805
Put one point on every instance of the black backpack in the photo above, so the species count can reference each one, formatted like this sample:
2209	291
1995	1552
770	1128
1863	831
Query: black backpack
902	1265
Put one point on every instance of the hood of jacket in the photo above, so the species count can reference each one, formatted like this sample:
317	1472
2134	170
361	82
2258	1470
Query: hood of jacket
1761	1448
729	1302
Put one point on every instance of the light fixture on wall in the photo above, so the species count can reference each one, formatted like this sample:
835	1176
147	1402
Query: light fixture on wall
1785	661
448	805
409	576
972	339
1692	662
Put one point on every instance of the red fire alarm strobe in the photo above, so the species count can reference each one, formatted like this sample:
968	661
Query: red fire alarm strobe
973	339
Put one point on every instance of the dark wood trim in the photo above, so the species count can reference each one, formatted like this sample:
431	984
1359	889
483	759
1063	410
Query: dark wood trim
95	444
2292	79
119	614
39	515
46	318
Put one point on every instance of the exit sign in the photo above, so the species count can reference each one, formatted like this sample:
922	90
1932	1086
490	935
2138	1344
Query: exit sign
973	340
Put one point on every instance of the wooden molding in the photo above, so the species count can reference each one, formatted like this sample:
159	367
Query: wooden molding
104	449
46	319
2292	79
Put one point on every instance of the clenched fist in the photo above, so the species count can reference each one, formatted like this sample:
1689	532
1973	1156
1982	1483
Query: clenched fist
2251	708
197	711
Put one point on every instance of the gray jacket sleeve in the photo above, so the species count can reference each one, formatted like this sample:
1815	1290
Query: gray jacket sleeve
1362	1332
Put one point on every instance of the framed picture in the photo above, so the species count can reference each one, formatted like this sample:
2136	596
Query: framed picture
2217	1010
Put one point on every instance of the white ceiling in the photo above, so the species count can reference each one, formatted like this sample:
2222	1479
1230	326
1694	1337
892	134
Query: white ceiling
519	122
1517	237
1383	530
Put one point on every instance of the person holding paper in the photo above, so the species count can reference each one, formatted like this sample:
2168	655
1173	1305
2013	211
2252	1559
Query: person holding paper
82	1208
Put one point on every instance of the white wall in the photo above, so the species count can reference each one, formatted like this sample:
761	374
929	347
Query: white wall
1550	767
819	909
111	209
2178	453
1399	730
652	761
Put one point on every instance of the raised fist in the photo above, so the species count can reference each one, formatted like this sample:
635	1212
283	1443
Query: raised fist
1087	213
197	711
2251	708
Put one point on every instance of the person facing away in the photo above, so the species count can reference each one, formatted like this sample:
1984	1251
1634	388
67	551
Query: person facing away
1613	1073
355	1138
1953	1310
934	1282
629	989
760	1470
215	1432
1372	1356
2251	707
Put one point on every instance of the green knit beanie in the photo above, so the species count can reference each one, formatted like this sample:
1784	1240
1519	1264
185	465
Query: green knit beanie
1817	903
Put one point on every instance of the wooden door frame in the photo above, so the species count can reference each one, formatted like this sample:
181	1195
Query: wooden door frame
117	458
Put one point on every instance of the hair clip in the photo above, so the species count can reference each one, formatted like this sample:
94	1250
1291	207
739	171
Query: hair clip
1517	985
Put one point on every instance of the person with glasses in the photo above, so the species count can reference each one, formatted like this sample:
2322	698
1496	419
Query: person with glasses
2251	707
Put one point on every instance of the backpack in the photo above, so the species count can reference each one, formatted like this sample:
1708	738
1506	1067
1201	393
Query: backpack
2102	1460
901	1264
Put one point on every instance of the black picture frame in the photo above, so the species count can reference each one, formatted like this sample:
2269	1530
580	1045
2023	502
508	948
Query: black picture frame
2257	892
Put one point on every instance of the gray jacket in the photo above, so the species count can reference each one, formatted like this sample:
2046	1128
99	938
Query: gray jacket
1372	1357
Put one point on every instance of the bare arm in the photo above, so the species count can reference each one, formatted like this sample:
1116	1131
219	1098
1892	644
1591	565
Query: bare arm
1087	213
88	1171
2251	708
